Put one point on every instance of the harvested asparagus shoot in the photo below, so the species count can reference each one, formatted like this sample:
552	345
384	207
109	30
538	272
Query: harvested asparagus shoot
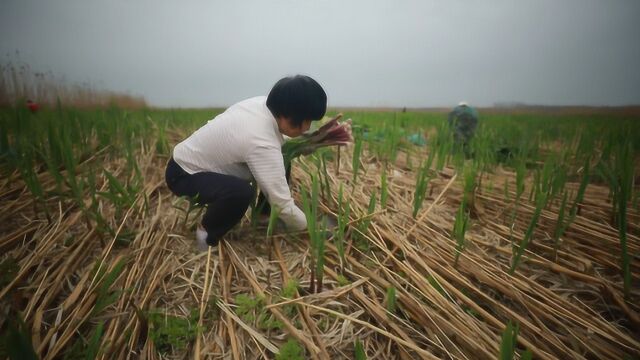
333	133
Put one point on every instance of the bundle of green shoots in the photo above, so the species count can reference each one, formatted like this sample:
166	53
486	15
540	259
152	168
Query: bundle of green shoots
331	133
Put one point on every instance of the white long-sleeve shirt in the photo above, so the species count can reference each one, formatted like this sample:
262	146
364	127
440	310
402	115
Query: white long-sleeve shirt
244	141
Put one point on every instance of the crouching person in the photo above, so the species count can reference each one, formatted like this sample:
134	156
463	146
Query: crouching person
217	163
463	121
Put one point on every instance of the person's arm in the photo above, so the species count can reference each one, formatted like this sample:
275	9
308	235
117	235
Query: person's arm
267	166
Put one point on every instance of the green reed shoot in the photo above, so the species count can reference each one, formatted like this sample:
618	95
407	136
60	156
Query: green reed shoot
102	225
25	163
192	203
457	157
606	171
162	144
581	190
459	230
320	255
355	163
390	150
104	295
619	172
359	352
559	179
344	210
509	341
391	300
409	160
326	186
470	186
541	202
363	225
15	340
521	172
53	157
316	235
443	150
121	196
5	145
370	210
273	220
436	285
93	347
444	143
422	181
544	181
560	226
383	188
625	169
70	162
430	157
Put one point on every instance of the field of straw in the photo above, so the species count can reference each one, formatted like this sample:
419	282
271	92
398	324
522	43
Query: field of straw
406	288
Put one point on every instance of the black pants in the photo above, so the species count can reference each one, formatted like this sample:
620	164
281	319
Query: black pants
227	197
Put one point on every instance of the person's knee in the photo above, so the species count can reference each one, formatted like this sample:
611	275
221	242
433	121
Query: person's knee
241	194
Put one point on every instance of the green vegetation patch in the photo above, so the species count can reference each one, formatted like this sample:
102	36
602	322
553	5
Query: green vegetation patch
252	311
172	332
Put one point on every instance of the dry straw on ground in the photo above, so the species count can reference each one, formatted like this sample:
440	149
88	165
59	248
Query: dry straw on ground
569	307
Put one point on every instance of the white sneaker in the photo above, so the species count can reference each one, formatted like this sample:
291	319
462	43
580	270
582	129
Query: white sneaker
201	239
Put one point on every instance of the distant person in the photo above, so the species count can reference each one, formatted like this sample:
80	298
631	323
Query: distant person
216	164
463	121
32	106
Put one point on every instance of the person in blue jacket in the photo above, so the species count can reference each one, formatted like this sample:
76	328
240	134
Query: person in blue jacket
463	121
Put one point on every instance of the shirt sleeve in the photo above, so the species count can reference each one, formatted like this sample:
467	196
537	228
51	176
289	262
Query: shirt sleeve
267	167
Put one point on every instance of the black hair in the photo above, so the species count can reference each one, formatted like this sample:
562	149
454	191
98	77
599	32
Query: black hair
299	98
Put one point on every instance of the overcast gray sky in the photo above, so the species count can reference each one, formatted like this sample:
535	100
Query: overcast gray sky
365	53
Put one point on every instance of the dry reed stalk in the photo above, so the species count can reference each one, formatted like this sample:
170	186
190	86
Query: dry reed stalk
41	249
378	312
328	294
307	321
411	306
426	288
203	302
553	302
225	294
408	344
313	349
581	318
257	336
550	296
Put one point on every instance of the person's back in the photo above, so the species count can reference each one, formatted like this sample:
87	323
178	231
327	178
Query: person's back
222	145
463	121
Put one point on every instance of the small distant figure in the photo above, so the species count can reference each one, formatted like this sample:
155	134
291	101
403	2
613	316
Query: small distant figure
463	121
32	106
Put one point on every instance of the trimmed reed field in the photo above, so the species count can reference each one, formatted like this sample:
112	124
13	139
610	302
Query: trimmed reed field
524	244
